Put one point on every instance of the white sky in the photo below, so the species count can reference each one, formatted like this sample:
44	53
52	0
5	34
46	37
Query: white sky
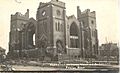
106	16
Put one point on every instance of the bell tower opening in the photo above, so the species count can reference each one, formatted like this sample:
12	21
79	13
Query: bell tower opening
74	42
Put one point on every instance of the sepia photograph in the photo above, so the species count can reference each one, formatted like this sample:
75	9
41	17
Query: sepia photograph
59	36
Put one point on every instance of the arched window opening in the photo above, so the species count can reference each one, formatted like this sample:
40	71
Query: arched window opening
33	39
73	30
58	26
74	42
30	36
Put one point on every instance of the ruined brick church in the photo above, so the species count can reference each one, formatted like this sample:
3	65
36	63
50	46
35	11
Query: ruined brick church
53	35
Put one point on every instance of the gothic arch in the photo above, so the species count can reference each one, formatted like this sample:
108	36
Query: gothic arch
30	35
74	36
72	19
73	29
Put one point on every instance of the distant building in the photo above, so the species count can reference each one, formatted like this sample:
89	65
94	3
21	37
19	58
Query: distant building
53	34
2	54
109	51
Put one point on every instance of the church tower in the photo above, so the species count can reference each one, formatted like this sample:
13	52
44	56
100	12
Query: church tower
17	24
50	33
88	32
